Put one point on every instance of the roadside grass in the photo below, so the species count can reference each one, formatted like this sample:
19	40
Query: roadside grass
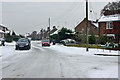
84	45
90	46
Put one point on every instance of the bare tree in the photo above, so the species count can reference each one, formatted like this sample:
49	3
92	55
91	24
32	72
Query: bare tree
113	6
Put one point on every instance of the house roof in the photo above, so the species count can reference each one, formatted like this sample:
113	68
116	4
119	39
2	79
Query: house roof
7	32
91	22
56	32
94	23
3	25
1	31
115	17
4	32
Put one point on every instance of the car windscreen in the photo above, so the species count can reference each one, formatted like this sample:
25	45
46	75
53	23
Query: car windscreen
45	41
22	40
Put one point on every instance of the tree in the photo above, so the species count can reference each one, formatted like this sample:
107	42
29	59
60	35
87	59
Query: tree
8	38
113	6
64	33
80	37
53	37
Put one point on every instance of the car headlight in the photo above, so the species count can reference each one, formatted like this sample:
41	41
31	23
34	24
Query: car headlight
26	43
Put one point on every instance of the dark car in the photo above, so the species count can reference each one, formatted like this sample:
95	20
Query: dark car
45	43
23	43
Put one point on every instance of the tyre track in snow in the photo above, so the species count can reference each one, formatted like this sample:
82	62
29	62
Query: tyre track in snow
44	62
34	64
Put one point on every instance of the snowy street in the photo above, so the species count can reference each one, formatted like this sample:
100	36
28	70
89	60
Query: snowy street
57	61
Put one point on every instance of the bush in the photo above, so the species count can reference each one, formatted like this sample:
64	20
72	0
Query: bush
92	39
103	40
8	38
16	39
63	42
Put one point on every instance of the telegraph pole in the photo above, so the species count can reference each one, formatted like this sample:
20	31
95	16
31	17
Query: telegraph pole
49	22
49	29
87	24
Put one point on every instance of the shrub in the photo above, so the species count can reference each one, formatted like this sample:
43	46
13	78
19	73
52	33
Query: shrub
63	42
16	39
103	40
92	39
8	38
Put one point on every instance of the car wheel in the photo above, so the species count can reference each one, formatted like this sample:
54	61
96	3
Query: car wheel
28	48
16	48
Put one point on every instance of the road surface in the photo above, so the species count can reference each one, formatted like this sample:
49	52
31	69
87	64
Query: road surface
45	62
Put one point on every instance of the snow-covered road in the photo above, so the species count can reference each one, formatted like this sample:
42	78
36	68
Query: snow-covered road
56	62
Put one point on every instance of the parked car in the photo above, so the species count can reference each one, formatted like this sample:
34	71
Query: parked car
45	43
23	43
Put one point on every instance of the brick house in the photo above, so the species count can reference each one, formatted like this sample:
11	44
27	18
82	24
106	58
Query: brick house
42	34
48	32
53	30
92	26
109	25
34	35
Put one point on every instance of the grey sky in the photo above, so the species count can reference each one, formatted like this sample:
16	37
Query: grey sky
26	17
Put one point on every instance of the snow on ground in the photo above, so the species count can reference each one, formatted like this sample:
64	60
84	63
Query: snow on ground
104	71
6	51
10	44
75	62
92	66
9	50
82	51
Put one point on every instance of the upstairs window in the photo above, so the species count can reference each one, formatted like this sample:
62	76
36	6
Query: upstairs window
109	25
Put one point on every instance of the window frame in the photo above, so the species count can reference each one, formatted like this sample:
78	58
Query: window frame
109	25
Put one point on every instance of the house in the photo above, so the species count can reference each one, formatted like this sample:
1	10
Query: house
53	30
109	25
34	35
49	31
92	25
3	31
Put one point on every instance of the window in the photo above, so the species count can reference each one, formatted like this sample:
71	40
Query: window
109	25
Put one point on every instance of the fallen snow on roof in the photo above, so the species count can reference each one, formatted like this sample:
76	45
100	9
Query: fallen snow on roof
115	17
27	34
3	25
7	31
95	24
1	31
56	32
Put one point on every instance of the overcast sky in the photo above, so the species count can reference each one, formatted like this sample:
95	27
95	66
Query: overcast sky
24	17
